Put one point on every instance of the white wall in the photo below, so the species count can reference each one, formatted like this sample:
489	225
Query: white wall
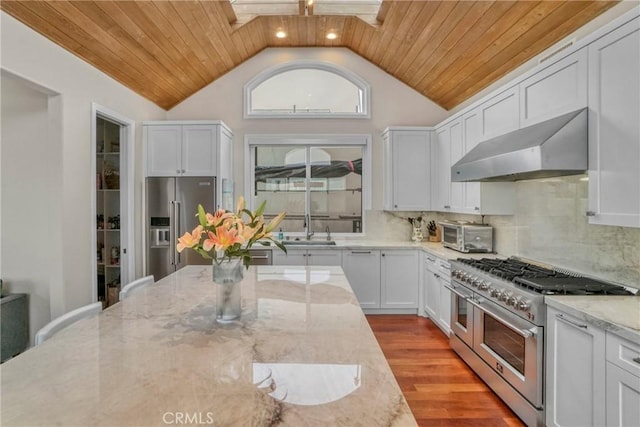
27	190
392	104
29	55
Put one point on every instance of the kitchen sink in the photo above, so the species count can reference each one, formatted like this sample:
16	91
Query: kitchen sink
309	243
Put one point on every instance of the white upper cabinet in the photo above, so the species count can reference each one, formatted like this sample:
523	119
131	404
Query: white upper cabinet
456	146
407	169
199	150
164	150
560	88
614	130
189	149
500	114
441	166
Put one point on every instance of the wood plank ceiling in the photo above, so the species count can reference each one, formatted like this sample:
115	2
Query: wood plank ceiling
168	50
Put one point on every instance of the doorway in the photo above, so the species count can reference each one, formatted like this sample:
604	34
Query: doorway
112	154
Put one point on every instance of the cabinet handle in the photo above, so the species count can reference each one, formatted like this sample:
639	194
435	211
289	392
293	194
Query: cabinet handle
591	213
447	206
637	360
361	252
382	254
177	170
395	206
571	322
477	208
431	259
436	275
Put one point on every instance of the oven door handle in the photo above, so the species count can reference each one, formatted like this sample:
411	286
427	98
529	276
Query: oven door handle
460	294
522	332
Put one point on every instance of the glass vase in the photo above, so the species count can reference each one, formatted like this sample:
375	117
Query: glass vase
227	277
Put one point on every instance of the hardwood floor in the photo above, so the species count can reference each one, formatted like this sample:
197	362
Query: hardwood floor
440	388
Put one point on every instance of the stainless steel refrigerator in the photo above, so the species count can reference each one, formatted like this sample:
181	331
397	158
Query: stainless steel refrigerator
172	204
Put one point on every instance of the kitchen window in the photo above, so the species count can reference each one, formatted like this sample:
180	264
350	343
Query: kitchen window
319	179
307	89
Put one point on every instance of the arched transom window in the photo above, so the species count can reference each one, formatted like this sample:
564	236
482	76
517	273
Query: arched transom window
308	89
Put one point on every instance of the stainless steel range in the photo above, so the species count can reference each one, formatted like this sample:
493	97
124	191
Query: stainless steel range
498	320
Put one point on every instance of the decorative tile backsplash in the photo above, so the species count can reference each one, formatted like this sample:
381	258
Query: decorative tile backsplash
549	226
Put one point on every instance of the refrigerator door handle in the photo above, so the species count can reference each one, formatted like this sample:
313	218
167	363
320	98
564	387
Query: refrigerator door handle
176	216
172	233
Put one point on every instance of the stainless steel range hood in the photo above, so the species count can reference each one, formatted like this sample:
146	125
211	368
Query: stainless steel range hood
555	147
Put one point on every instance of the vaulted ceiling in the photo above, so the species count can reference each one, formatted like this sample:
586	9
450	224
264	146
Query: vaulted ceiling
168	50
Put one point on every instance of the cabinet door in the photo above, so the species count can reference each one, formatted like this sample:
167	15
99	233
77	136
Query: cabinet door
292	257
164	150
500	114
614	134
324	257
432	295
623	397
441	166
555	90
472	134
362	268
444	314
457	191
199	150
400	271
575	387
410	153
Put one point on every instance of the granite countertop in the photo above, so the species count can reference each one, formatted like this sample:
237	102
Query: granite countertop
302	354
618	314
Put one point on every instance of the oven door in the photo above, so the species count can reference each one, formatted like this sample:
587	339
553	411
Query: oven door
461	313
511	346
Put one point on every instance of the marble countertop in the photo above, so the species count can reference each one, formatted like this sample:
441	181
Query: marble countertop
302	354
618	314
434	248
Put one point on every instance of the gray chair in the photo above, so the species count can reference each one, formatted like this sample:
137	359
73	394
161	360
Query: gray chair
136	284
56	325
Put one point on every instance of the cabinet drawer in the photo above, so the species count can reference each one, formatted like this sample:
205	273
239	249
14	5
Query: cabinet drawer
623	353
431	263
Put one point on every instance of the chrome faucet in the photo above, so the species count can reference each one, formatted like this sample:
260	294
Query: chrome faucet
307	226
326	230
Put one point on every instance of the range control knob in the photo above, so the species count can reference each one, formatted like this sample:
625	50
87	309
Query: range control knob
483	286
495	292
513	301
523	305
474	281
504	296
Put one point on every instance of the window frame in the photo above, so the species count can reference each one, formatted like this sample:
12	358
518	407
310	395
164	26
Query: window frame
311	140
364	87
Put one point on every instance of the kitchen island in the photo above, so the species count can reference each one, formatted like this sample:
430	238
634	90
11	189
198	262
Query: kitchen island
302	354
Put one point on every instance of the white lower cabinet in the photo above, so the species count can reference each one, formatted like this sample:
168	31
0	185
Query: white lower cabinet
593	375
575	392
387	280
623	397
437	298
400	274
308	257
623	381
362	268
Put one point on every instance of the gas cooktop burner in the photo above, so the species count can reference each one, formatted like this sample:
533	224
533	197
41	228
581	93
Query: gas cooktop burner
543	280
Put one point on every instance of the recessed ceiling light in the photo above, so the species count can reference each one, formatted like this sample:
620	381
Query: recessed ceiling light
332	36
281	34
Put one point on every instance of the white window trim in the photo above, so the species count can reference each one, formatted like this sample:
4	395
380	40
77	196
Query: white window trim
362	140
307	64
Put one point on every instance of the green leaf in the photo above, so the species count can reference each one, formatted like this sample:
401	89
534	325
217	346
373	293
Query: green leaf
261	208
202	215
282	247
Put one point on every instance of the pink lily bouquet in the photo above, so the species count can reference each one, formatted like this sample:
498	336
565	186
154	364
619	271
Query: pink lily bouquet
225	235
